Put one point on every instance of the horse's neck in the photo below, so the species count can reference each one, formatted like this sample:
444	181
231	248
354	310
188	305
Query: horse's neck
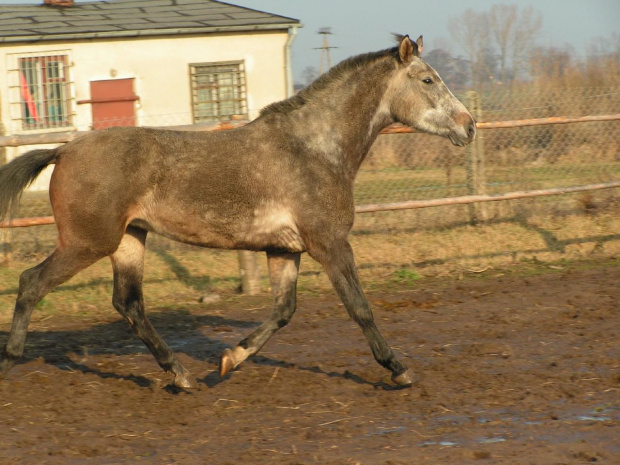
344	121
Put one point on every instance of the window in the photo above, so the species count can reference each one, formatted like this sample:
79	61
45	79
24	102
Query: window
44	95
218	91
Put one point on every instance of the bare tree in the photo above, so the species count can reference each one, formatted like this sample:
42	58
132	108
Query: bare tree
502	25
602	64
529	25
550	62
453	70
470	30
604	49
309	74
500	38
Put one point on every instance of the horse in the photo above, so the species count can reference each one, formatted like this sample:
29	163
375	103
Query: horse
282	184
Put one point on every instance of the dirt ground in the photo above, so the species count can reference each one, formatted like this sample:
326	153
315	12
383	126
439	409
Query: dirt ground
513	370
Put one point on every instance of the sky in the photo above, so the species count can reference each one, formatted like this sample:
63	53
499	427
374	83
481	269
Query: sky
360	26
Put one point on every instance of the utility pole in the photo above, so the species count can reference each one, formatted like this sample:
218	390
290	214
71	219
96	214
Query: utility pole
326	55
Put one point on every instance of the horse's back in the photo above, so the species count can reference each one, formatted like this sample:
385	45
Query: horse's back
203	188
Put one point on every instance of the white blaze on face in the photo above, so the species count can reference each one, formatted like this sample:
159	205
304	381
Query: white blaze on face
440	120
433	120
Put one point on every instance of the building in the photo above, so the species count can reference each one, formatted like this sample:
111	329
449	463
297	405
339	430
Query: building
68	66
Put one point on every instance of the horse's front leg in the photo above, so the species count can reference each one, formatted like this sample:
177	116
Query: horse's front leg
339	264
283	271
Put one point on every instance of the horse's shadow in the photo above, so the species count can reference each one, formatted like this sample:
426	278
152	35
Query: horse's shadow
71	350
185	333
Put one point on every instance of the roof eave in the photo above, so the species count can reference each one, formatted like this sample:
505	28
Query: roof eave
149	32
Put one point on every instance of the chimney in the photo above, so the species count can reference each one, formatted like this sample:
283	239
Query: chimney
58	2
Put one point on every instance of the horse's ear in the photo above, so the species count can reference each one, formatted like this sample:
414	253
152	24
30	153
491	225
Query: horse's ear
420	46
406	49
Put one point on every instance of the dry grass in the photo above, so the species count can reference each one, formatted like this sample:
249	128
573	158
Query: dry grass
387	255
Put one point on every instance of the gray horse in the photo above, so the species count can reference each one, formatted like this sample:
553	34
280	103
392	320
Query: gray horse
282	184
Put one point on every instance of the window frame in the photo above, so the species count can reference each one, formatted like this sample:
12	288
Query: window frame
41	90
226	83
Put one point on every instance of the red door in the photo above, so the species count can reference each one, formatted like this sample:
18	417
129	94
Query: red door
113	103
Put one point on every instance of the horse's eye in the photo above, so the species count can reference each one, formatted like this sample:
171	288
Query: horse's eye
427	81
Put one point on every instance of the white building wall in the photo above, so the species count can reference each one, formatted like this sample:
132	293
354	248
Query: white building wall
160	67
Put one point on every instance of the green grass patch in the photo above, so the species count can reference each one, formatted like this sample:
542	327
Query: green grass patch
406	276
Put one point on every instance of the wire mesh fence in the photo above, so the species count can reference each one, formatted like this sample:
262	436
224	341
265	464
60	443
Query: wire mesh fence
403	167
418	166
517	158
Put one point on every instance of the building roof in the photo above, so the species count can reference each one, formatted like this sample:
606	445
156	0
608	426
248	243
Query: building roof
130	18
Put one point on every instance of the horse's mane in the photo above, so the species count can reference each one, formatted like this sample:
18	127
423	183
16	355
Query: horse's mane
334	74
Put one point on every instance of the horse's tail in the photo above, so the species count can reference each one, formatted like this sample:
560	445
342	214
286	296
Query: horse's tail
18	174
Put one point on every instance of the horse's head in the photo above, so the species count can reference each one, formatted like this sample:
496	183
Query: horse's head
420	99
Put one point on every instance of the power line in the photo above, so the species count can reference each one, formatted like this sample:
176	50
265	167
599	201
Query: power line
326	55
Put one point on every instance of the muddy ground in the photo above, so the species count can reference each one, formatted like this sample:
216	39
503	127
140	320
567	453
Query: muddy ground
514	370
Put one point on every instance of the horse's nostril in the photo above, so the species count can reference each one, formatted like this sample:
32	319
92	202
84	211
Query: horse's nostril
471	131
467	123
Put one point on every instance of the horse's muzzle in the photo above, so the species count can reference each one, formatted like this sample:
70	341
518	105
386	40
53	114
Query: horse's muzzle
466	130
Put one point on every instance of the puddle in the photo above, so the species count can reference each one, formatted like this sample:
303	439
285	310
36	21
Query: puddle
440	443
591	418
502	425
448	443
491	440
397	429
601	413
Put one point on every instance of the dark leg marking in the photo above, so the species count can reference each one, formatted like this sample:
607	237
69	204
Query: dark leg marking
339	265
128	265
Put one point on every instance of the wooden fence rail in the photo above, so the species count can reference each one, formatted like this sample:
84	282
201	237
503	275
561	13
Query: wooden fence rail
407	205
469	199
27	222
475	166
17	140
62	137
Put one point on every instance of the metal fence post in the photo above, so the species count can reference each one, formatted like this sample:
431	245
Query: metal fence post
249	271
476	178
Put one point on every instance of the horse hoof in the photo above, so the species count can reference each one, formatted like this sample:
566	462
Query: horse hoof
185	381
227	362
406	378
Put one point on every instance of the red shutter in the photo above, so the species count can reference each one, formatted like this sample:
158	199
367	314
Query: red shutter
113	103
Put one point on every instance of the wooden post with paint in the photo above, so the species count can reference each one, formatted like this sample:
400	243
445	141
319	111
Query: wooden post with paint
476	178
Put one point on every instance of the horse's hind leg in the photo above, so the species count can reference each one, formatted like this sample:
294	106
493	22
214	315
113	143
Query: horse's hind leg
339	265
128	265
34	284
283	271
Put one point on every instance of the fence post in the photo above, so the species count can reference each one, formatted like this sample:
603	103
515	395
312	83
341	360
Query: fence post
5	236
476	178
7	250
250	275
